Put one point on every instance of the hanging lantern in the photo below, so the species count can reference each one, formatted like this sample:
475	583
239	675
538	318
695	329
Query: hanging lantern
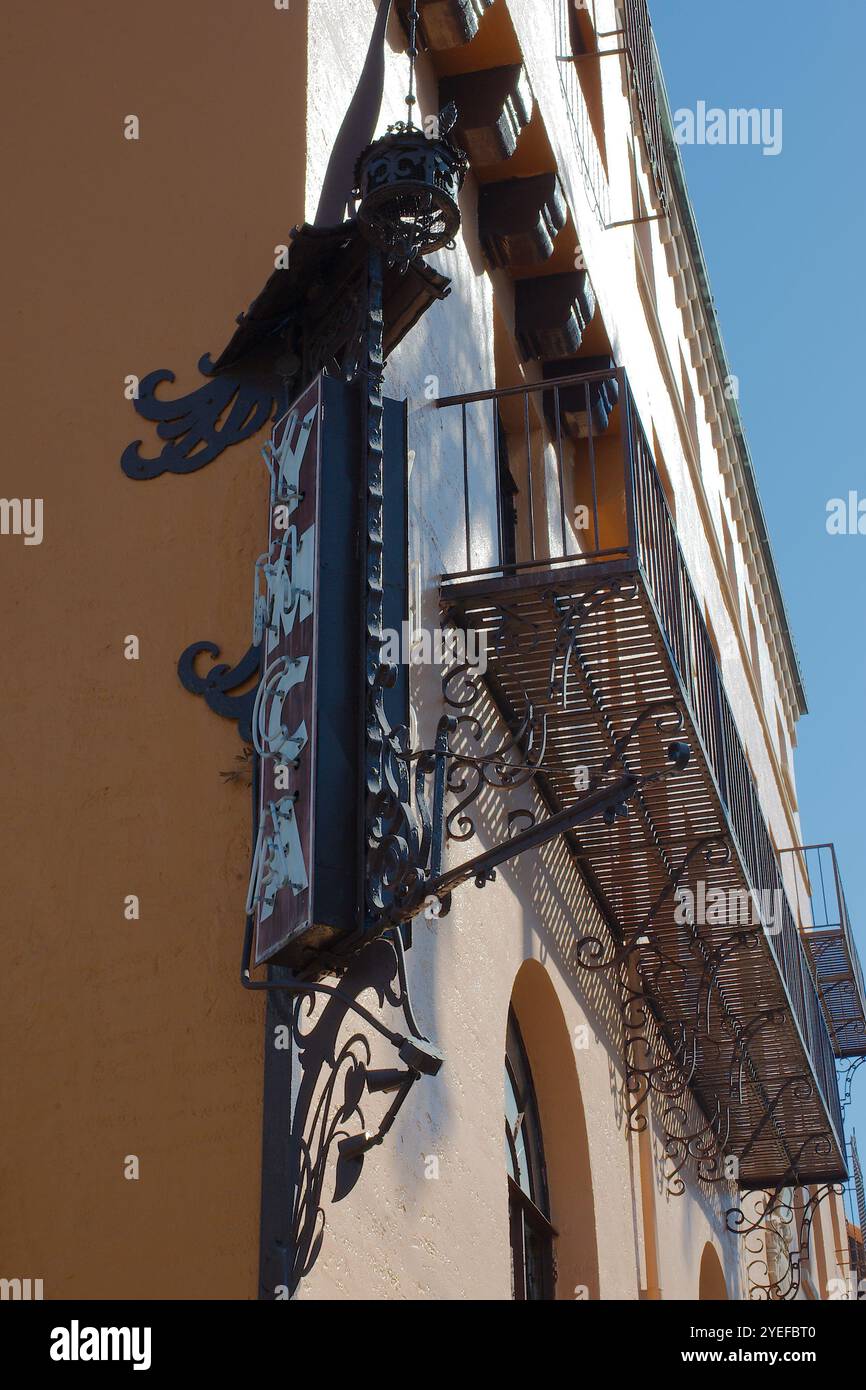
407	182
407	185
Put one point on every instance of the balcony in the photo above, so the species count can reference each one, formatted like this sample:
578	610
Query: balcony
573	569
822	916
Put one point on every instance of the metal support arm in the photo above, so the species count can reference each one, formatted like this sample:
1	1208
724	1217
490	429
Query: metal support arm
608	801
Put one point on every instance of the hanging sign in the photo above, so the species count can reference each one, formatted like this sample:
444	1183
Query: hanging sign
284	724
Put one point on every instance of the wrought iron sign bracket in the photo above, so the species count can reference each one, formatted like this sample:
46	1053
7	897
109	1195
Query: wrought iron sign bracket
608	802
847	1073
217	686
419	1054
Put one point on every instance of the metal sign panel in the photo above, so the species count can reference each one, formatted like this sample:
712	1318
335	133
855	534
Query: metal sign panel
305	892
285	620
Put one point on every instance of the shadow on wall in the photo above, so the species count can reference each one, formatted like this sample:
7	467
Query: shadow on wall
563	1126
331	1069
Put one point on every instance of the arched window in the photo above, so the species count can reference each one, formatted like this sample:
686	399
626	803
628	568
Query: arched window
712	1279
532	1269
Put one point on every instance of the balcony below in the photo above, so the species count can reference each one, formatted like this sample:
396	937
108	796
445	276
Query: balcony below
822	916
574	572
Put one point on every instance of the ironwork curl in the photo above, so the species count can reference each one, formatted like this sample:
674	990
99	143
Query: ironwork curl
220	681
848	1071
572	615
495	770
774	1224
668	1077
704	1146
200	425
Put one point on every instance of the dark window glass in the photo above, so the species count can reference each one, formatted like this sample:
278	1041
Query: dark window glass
532	1274
508	491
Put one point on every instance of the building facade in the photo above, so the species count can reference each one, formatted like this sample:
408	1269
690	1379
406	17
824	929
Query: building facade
602	1063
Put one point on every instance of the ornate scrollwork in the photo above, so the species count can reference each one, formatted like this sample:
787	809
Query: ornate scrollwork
847	1072
797	1088
505	768
705	1146
714	960
200	425
651	1067
776	1239
572	614
397	832
740	1222
666	715
590	953
407	186
220	681
767	1018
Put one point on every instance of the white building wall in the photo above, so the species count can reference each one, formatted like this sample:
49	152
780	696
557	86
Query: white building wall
401	1232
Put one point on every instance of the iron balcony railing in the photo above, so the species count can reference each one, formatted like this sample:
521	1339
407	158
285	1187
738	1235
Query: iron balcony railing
591	163
534	455
640	47
822	915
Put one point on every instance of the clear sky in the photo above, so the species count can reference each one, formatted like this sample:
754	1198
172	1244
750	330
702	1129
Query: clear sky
785	242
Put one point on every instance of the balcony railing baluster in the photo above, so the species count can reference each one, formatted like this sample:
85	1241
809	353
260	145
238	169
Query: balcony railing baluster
560	472
530	500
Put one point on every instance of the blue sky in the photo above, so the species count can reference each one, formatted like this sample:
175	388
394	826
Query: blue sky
784	239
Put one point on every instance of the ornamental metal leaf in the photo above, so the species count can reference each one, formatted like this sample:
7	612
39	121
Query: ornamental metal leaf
200	425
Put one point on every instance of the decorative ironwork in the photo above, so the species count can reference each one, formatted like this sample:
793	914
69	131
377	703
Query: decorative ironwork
584	628
407	182
847	1074
414	1049
704	1147
201	425
407	186
667	1073
822	916
571	613
776	1237
591	953
495	770
305	319
220	681
394	830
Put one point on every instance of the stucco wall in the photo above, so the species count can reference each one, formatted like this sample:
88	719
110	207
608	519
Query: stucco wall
131	1037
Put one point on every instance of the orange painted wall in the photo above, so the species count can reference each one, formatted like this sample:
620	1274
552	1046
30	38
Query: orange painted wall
121	257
